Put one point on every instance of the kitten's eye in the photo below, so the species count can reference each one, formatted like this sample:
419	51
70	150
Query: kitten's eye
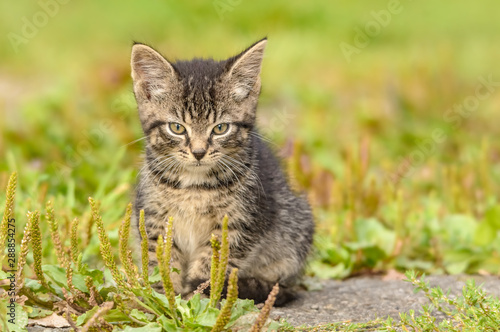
177	128
221	128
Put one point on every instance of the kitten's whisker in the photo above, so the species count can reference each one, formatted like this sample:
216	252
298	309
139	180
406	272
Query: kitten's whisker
250	175
182	169
262	137
163	161
174	168
158	165
253	174
229	168
167	168
240	170
221	169
147	164
137	140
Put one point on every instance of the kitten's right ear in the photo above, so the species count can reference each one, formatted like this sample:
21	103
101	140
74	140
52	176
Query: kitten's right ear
151	72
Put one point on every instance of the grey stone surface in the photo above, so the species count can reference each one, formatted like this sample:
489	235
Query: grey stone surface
366	298
361	299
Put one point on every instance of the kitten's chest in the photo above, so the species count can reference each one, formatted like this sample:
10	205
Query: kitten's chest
192	233
196	215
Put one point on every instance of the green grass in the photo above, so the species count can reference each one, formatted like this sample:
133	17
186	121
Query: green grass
68	118
119	297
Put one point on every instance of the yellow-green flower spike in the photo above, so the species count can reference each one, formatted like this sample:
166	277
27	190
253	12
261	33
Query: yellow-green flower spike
232	296
144	249
74	240
54	233
214	267
164	267
105	246
23	252
8	213
222	265
36	243
167	255
125	254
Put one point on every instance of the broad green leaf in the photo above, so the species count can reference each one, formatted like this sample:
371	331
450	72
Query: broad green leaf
485	234
40	291
184	308
418	264
456	261
108	279
487	230
327	271
194	303
96	275
459	229
116	315
492	216
16	315
162	299
82	319
371	231
373	255
168	324
337	255
208	317
355	246
274	326
457	267
151	327
34	286
57	274
197	305
105	291
34	312
155	276
241	308
140	316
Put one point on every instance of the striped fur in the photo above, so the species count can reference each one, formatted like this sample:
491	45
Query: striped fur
270	228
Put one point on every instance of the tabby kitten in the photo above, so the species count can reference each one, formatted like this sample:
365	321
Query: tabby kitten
204	159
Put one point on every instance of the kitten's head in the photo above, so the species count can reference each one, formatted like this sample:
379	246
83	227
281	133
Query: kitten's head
197	111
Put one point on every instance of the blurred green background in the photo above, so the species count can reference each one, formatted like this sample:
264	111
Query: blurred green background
396	143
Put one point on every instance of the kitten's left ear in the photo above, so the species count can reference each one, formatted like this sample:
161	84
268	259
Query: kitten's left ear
245	69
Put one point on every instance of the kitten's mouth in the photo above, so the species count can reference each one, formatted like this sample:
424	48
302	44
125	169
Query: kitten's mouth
199	164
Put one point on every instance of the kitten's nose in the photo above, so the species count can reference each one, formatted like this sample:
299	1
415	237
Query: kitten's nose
198	154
